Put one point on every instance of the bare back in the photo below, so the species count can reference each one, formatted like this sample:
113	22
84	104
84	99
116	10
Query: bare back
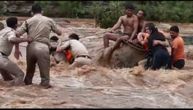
128	24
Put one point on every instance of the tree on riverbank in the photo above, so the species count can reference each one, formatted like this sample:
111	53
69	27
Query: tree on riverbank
106	13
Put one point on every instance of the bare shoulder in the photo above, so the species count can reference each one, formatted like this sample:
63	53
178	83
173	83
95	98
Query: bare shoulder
135	17
122	17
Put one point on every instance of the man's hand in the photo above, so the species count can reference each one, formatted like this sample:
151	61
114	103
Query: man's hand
129	40
111	31
29	39
59	49
156	42
17	54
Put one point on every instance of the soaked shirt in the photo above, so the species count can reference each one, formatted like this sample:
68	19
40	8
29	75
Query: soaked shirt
178	46
77	48
5	45
39	28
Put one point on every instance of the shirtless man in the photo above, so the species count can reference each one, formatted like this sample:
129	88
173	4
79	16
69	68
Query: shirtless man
142	22
130	27
38	28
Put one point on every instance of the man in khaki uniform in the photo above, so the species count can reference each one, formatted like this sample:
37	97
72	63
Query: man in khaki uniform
79	51
8	69
38	28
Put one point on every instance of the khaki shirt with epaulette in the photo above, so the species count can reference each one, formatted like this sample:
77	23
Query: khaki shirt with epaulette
39	28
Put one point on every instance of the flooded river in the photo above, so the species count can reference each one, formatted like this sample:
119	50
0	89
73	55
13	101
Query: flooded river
100	87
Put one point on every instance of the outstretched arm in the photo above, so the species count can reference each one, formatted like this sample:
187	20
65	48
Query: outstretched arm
63	47
159	42
17	52
55	28
16	41
21	30
117	25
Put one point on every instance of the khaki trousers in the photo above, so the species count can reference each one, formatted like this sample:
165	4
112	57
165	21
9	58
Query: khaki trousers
38	53
80	61
10	71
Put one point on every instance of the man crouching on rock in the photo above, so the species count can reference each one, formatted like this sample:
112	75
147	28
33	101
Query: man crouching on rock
78	51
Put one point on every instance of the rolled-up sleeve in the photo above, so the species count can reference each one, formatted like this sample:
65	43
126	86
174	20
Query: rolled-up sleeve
21	30
65	45
54	27
11	35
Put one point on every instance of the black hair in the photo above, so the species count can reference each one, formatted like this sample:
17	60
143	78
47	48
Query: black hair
152	27
36	8
54	38
74	36
143	12
11	22
129	6
175	29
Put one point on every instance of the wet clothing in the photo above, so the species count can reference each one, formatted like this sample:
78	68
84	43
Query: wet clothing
161	58
179	63
39	28
178	47
158	55
79	52
38	53
69	56
8	69
76	47
5	45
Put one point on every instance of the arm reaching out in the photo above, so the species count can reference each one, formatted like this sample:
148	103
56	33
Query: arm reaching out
117	25
17	52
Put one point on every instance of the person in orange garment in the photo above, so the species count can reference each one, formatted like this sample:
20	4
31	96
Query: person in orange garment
178	54
177	48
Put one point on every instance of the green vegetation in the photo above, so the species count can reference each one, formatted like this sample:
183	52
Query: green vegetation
106	13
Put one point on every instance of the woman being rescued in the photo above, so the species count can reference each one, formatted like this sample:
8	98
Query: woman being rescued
157	55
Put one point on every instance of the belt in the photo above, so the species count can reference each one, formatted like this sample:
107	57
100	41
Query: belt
85	56
41	42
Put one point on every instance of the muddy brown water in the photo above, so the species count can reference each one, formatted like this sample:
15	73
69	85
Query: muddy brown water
100	87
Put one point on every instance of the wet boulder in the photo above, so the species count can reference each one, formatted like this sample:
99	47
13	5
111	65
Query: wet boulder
126	56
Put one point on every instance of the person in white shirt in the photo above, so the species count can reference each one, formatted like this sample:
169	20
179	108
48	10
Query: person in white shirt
8	69
78	50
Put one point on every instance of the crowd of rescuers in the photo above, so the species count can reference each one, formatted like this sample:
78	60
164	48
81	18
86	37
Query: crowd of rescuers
39	27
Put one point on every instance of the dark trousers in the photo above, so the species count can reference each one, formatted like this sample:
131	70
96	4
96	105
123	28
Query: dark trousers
161	58
179	64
